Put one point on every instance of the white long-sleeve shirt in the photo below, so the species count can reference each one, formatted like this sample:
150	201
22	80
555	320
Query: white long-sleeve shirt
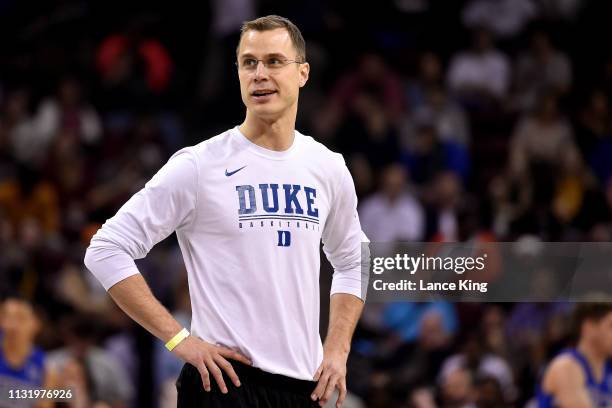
249	222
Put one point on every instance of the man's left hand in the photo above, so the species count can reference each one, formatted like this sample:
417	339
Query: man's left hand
331	374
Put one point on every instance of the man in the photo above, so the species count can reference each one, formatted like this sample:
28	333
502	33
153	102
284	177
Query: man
581	377
22	363
250	207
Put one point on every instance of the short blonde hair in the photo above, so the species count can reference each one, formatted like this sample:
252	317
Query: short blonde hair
273	22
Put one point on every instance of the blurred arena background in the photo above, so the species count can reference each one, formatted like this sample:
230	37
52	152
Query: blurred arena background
460	121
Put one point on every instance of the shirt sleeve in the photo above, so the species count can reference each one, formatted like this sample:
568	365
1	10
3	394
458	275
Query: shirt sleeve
166	203
344	243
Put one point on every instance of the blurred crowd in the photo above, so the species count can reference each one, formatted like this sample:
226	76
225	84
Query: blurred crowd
480	120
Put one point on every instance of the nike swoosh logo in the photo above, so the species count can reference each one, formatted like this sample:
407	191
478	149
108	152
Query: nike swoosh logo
230	173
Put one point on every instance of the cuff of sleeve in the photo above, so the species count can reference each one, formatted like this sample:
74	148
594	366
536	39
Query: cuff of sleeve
112	279
109	270
348	282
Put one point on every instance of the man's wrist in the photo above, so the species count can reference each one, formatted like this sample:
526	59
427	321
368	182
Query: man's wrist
177	339
337	348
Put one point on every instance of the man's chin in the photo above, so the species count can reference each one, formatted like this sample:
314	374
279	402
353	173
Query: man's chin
267	112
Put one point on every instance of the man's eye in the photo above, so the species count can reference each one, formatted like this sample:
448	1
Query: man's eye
249	62
274	61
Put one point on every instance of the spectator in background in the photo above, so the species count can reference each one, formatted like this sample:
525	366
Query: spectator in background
442	202
124	347
29	228
448	118
367	138
480	76
422	397
30	198
22	364
413	339
430	75
481	363
6	156
109	382
594	122
406	319
68	168
425	153
541	137
457	389
527	322
417	363
543	68
473	226
20	128
493	324
367	130
505	18
393	213
542	147
68	112
594	132
489	394
75	288
371	77
76	378
508	200
574	190
9	249
136	70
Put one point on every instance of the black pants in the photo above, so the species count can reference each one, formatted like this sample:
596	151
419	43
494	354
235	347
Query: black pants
258	389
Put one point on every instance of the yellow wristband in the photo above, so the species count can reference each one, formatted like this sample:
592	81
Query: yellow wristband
180	336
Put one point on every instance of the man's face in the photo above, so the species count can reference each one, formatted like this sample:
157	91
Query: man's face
601	333
270	92
18	321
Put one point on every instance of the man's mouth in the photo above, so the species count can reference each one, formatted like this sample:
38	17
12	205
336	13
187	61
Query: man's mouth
263	92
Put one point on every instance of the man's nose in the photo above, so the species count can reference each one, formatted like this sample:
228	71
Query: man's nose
260	70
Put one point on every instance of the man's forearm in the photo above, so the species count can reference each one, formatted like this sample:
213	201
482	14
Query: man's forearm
135	298
344	313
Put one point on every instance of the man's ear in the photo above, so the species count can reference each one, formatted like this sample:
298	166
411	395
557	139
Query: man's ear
304	72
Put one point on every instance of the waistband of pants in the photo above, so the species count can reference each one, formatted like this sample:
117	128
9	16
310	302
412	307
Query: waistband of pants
249	374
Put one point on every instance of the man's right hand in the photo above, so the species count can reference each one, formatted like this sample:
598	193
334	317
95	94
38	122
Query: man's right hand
210	359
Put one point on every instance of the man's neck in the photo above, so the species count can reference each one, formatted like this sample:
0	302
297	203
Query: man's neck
15	352
595	358
273	134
